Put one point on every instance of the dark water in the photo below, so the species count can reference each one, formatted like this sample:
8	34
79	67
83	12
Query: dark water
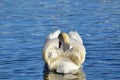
24	25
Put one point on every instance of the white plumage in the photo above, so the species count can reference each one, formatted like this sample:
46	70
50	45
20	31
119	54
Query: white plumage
64	52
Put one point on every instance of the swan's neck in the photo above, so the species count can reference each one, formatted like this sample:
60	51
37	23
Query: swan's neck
66	46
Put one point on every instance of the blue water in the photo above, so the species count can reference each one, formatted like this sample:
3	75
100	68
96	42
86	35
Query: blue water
25	24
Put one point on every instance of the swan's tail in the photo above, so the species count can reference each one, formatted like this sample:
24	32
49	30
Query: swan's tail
66	67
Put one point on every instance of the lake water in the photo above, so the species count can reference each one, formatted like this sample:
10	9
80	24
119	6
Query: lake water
25	24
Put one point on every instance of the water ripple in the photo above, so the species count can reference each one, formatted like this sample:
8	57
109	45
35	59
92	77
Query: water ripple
24	26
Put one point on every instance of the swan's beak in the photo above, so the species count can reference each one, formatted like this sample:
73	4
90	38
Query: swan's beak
60	45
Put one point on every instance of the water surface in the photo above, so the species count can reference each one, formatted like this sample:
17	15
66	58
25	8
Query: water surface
24	26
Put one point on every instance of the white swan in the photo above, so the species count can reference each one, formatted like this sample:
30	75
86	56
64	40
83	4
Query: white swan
64	52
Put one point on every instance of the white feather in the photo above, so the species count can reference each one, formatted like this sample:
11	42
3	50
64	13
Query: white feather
57	59
54	34
66	67
75	36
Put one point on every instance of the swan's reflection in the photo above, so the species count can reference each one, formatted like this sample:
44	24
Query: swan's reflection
55	76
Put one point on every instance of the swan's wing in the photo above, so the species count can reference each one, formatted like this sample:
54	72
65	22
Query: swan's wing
54	34
51	50
75	36
77	52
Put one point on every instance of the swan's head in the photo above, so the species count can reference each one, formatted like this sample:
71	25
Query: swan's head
64	41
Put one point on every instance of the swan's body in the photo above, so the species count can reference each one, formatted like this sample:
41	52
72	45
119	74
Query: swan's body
64	52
